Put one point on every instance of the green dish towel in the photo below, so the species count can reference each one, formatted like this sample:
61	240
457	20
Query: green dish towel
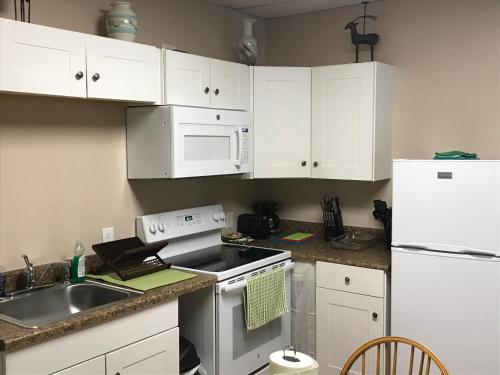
147	282
264	298
455	155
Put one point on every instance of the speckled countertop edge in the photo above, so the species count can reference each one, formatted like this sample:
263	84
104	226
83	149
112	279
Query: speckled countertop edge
375	256
13	337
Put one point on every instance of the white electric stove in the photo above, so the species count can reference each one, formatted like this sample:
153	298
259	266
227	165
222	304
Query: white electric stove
195	245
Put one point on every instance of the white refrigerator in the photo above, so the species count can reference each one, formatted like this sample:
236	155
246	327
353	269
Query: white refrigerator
446	261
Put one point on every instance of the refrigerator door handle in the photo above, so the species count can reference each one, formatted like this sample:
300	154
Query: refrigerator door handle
412	247
463	251
479	253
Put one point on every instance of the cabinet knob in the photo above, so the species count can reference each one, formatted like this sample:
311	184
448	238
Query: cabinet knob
375	316
315	164
207	90
96	77
304	163
217	91
347	280
217	117
79	75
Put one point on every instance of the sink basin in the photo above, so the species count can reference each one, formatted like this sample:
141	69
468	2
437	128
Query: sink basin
45	306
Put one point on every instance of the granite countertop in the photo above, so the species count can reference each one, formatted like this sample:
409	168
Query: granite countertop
13	337
375	255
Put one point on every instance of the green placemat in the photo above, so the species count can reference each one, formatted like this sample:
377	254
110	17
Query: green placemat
147	282
299	236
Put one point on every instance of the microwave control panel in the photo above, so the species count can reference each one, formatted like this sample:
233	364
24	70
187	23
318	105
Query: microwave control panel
174	224
245	144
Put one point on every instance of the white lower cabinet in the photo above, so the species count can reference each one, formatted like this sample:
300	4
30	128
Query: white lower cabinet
145	342
154	356
91	367
348	313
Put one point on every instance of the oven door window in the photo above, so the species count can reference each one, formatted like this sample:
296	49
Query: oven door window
242	352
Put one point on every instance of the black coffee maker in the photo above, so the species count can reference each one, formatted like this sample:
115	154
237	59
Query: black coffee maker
262	223
267	211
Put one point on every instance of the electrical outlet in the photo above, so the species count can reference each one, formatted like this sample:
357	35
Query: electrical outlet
229	220
108	234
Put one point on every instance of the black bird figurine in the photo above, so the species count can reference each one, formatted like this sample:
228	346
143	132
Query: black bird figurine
370	39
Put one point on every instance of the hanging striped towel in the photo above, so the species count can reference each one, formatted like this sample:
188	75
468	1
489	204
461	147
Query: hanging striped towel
264	298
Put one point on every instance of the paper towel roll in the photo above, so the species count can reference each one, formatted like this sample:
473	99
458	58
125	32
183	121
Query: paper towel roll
305	365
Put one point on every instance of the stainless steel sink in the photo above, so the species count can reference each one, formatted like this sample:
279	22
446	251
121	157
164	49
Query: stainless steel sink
61	301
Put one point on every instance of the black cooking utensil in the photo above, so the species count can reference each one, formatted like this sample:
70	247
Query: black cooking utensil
383	214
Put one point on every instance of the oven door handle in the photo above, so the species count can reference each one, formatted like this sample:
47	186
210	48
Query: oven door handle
242	284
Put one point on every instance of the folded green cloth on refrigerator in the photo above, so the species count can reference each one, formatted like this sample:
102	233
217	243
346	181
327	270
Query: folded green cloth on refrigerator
264	298
455	155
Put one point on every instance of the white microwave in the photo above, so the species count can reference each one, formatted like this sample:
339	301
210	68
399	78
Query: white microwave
177	142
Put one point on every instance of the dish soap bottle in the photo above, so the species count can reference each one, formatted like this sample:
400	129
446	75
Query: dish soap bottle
78	265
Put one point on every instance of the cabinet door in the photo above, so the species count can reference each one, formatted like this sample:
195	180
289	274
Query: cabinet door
121	70
344	322
230	85
343	121
96	366
154	356
41	60
186	80
282	122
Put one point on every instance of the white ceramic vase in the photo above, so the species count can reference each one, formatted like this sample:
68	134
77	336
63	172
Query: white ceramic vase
121	21
247	46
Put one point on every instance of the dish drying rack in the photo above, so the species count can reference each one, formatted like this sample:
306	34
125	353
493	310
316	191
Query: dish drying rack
129	257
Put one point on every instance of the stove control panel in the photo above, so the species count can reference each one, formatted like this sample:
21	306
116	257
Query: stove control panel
174	224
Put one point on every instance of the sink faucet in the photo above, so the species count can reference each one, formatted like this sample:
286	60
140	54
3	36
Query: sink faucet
31	280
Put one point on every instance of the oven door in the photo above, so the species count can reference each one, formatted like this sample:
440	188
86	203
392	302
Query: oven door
208	142
238	351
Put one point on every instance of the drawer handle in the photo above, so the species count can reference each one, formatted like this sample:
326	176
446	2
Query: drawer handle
207	90
217	91
347	280
375	316
304	163
79	75
96	77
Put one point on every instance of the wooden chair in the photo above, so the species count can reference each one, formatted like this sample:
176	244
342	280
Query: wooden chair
426	357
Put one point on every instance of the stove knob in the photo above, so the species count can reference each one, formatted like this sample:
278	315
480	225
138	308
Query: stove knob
161	227
222	216
152	229
216	217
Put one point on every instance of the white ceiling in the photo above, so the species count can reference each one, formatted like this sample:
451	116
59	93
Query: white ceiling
281	8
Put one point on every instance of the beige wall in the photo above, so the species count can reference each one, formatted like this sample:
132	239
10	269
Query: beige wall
447	92
62	161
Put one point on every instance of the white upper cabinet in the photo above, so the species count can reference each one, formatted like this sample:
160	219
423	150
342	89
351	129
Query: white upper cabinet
282	122
122	70
351	121
230	85
186	79
41	60
199	81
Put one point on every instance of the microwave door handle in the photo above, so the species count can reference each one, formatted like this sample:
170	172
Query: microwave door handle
239	144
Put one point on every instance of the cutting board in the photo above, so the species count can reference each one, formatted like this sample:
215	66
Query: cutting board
147	282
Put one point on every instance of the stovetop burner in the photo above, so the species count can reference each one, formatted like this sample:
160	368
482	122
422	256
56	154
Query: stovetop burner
221	258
